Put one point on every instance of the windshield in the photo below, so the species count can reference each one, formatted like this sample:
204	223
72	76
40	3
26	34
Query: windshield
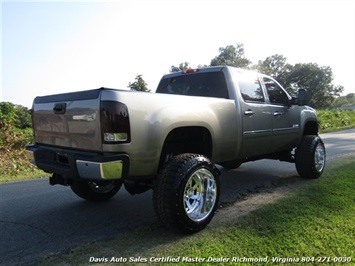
209	84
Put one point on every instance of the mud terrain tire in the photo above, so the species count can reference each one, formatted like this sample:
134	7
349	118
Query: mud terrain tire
186	193
310	157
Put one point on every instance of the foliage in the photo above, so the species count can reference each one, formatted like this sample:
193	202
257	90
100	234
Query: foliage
231	56
16	115
344	101
336	119
276	67
7	112
317	81
138	85
182	67
273	66
23	117
12	149
15	134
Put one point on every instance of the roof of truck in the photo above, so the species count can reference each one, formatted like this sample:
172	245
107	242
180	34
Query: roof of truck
206	69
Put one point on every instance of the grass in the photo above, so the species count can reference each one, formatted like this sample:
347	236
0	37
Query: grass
315	224
26	174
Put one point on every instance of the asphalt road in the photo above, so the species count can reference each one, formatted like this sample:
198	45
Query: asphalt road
37	219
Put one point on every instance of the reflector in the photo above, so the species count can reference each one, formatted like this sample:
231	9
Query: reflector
113	137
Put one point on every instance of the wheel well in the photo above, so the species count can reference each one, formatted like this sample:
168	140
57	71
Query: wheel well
187	140
311	128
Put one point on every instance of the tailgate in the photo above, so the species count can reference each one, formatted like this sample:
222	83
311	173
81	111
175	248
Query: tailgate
68	120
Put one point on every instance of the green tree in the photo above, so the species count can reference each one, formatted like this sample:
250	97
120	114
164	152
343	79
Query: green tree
231	56
274	66
318	82
351	98
13	141
7	112
138	85
347	100
340	101
23	117
182	67
202	66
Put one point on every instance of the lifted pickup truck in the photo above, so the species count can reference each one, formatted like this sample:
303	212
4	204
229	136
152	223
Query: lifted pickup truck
94	141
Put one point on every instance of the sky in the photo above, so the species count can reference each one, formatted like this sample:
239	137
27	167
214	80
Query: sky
51	47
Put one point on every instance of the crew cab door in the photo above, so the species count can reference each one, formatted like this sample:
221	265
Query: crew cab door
285	117
256	116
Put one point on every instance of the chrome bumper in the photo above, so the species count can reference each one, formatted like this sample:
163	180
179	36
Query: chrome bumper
98	171
72	164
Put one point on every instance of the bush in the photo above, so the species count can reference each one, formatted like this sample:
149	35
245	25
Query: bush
336	119
12	147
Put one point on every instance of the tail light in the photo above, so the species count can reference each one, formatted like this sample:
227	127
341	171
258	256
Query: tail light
115	127
190	70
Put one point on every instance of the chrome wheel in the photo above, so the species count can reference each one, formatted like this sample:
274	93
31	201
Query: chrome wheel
319	157
200	195
186	192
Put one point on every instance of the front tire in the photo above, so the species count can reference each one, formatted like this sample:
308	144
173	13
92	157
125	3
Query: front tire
96	190
186	193
310	157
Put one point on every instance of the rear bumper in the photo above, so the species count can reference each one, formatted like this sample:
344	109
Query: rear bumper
73	164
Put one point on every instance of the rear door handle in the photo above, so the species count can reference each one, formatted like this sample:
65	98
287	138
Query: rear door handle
277	113
249	112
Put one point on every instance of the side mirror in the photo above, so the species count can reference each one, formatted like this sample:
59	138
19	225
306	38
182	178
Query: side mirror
302	97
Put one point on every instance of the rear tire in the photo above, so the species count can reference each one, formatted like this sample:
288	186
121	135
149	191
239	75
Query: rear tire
96	190
186	193
310	157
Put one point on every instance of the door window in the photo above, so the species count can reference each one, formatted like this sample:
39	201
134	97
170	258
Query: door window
250	89
276	94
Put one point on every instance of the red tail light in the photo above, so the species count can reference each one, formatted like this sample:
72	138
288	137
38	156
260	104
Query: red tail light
188	71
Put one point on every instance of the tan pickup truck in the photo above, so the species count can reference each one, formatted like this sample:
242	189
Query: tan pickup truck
169	141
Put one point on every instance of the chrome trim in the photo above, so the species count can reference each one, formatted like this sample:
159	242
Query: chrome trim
285	129
86	117
98	171
256	131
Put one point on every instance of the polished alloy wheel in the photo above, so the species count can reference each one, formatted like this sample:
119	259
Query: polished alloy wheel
186	192
319	157
200	194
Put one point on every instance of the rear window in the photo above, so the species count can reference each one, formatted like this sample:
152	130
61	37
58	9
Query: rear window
209	84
